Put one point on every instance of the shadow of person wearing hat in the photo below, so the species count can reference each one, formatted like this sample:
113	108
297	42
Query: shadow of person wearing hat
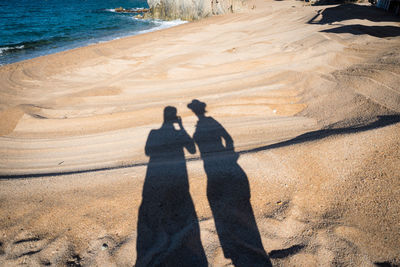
168	227
228	192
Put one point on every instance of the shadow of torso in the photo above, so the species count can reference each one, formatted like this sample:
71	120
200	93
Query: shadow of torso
228	193
168	230
226	179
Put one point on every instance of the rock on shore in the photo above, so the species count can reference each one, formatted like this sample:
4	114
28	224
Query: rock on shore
193	9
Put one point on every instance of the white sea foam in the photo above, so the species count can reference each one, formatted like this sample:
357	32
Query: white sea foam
138	8
161	24
3	49
132	9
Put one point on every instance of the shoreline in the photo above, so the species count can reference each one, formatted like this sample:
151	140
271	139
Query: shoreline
87	48
163	25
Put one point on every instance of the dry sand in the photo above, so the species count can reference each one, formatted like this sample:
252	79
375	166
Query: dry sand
310	95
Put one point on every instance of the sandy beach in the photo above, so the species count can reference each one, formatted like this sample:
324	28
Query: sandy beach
310	96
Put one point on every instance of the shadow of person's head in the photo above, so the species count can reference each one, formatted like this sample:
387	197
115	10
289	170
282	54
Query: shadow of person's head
170	114
198	107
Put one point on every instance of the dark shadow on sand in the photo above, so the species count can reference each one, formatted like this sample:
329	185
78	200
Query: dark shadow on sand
376	31
337	14
345	12
168	227
380	122
228	193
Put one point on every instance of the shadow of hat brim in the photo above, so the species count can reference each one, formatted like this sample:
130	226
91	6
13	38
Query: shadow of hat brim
196	105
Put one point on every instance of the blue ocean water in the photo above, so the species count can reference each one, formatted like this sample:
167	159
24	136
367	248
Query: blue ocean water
32	28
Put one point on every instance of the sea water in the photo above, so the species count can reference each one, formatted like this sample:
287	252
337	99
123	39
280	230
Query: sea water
32	28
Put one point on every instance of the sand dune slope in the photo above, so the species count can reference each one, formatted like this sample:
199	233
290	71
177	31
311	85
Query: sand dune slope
310	96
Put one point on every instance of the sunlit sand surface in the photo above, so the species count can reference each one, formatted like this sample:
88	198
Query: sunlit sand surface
311	101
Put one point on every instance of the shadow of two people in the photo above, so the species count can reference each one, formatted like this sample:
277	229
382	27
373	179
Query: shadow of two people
168	227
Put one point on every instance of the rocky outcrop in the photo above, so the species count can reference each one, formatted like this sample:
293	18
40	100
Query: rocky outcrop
193	9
